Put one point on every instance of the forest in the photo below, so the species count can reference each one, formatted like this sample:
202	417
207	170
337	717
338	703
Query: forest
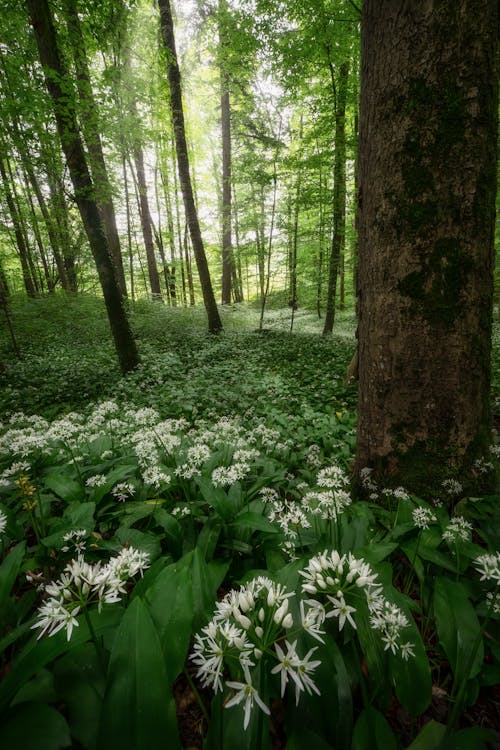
249	375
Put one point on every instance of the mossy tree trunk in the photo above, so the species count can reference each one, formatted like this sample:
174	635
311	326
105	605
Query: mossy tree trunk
174	80
65	114
427	183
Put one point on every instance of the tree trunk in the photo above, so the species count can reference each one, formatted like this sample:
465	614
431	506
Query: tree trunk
174	80
338	198
144	212
227	253
64	110
22	249
427	181
90	125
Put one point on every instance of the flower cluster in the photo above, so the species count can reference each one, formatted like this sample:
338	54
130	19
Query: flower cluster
245	632
458	529
327	502
423	517
337	584
82	584
488	565
123	491
3	521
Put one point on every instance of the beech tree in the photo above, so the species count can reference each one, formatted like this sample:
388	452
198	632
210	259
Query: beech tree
174	80
64	110
427	181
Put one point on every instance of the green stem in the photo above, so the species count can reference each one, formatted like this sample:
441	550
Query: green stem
198	697
99	651
458	700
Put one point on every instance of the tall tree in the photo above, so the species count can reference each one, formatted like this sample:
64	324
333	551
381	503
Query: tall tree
57	80
174	80
91	131
227	253
339	195
427	181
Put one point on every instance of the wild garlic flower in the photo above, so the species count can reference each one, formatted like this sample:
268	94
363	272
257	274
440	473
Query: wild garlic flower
332	477
452	486
77	539
337	582
488	565
83	584
493	602
225	476
247	628
123	491
458	529
97	480
247	694
423	517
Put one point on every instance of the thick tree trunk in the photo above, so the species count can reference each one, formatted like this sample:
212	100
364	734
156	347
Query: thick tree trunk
90	126
71	142
338	199
174	80
427	181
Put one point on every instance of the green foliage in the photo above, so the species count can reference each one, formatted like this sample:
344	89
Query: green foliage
225	459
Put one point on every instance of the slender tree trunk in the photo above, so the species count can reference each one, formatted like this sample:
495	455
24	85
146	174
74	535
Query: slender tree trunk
171	236
142	196
64	110
90	126
189	270
427	182
174	80
338	198
227	252
238	277
22	249
129	224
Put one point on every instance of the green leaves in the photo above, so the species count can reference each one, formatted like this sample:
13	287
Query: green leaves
34	726
458	629
138	709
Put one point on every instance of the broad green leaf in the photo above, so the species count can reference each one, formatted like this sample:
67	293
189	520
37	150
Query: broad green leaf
372	732
458	629
141	540
206	579
172	528
137	709
472	738
64	487
34	726
217	499
250	520
80	684
9	570
412	677
38	653
302	737
170	601
430	737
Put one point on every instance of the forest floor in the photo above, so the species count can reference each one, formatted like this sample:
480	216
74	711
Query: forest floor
290	381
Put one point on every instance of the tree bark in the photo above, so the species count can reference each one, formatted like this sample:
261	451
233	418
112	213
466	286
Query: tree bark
22	248
174	80
338	198
427	181
227	252
90	126
64	111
